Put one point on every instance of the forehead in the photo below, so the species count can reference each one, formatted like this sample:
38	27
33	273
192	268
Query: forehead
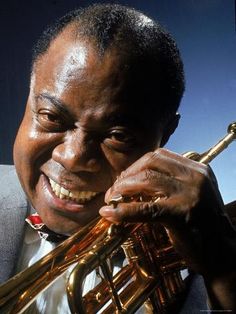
70	59
73	71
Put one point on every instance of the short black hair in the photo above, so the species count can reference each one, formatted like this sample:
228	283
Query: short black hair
148	46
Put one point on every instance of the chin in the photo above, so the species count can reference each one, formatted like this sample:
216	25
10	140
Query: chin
59	223
66	228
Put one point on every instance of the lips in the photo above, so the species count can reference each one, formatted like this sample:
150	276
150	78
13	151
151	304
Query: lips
80	197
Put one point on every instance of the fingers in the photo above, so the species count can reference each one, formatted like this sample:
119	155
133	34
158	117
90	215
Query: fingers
163	161
146	183
178	181
152	168
163	210
135	212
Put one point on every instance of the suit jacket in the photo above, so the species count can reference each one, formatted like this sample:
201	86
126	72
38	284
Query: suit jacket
14	208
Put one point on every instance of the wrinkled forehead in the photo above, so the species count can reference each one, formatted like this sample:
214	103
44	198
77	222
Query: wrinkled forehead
66	58
75	63
70	58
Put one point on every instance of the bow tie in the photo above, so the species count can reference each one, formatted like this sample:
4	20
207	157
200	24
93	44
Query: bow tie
44	232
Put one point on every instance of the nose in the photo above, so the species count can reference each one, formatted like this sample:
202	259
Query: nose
78	153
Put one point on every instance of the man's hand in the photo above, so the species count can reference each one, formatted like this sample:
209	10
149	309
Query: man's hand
178	192
182	195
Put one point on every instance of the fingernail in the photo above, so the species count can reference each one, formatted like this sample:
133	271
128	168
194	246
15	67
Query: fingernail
112	200
107	211
116	199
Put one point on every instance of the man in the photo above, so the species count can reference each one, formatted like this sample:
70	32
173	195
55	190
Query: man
105	88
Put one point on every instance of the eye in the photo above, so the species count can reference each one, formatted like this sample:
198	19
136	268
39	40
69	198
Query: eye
120	139
49	120
120	136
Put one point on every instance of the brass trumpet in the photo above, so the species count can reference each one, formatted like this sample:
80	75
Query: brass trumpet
151	276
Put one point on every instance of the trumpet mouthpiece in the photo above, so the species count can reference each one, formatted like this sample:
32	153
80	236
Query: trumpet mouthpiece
232	129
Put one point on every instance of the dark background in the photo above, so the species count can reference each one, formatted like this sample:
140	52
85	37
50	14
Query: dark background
205	33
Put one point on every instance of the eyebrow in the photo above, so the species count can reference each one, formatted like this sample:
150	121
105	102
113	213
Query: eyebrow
61	106
110	119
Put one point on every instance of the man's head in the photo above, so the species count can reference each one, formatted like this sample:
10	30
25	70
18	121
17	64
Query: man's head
106	84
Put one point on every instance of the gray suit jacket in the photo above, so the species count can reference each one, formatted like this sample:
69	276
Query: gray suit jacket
14	207
13	210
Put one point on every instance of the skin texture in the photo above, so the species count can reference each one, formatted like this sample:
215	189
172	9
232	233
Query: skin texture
78	131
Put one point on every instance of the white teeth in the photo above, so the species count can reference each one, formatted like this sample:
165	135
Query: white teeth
64	191
78	196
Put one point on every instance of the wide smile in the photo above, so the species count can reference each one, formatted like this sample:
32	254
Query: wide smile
80	197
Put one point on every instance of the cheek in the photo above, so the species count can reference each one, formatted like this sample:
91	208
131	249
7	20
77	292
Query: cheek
32	146
24	159
32	149
27	146
119	161
21	147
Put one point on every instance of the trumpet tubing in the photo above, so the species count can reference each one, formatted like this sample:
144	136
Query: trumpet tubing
151	276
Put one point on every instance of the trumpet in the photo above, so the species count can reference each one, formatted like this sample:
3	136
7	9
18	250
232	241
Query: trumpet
151	277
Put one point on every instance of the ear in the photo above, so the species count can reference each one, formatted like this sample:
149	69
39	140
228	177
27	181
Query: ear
169	128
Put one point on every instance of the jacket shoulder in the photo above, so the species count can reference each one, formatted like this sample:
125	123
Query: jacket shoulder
13	210
11	192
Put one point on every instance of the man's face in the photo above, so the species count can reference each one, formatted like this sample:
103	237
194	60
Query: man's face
77	135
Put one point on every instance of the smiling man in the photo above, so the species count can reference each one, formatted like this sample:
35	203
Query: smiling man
88	113
105	88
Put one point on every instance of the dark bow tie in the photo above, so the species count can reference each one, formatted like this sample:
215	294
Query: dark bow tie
44	232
